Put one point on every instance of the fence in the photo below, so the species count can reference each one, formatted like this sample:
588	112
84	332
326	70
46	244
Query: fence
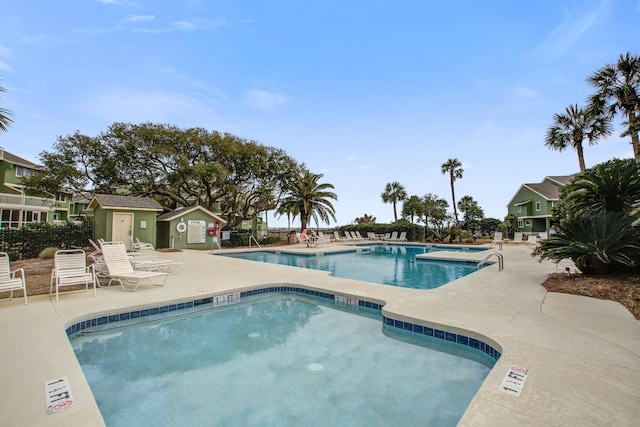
28	241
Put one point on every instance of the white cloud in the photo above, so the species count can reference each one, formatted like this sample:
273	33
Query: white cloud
4	51
263	100
5	67
526	93
573	26
138	18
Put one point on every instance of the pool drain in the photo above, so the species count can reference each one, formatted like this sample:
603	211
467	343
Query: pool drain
315	368
253	334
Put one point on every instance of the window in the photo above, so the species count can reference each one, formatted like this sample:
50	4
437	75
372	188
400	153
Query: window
61	197
519	208
538	206
520	223
527	222
554	204
24	172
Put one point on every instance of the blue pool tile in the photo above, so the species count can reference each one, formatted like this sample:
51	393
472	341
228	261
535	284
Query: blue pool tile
135	314
114	318
145	312
408	326
417	328
102	320
474	343
428	331
154	310
450	336
438	333
464	340
124	316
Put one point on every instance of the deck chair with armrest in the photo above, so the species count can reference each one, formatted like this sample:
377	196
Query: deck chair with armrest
70	269
121	270
98	260
146	259
11	280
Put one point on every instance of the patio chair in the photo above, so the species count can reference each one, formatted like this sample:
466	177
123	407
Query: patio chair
371	235
10	280
497	239
402	237
98	260
338	237
70	269
394	237
517	237
121	270
387	237
532	239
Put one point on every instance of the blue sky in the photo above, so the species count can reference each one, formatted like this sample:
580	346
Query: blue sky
365	93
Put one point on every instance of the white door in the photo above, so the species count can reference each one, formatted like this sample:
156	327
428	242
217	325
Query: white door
121	231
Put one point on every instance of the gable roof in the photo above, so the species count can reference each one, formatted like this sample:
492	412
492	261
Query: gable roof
19	161
560	179
546	189
125	202
182	211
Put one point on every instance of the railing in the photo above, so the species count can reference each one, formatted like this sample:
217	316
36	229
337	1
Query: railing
8	200
500	260
254	239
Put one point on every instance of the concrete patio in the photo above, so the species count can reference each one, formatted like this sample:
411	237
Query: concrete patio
583	354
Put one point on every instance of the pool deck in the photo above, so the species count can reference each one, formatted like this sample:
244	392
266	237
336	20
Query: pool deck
583	354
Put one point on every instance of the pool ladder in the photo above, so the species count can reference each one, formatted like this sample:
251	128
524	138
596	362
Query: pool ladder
254	239
500	260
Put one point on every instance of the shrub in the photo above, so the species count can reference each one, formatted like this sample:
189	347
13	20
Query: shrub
48	253
602	244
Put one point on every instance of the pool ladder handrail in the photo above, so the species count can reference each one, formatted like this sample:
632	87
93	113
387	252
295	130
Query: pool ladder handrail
500	260
254	239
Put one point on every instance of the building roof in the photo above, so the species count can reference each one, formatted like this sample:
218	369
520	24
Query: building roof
125	202
547	190
182	211
561	179
12	158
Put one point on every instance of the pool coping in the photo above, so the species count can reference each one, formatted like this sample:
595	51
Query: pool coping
562	339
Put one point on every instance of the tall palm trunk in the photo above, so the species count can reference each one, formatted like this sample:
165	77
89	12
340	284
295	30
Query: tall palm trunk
635	141
453	197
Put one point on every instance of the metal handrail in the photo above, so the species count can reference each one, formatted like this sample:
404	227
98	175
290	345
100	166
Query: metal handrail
500	260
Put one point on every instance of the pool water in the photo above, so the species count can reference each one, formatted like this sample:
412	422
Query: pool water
279	361
386	264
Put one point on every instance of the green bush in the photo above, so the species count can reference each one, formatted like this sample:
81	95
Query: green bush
28	241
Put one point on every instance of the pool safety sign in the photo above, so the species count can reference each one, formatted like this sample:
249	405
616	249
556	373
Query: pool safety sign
58	394
514	380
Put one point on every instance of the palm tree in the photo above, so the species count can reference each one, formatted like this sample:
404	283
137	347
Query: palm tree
393	193
454	168
572	127
309	199
5	120
618	92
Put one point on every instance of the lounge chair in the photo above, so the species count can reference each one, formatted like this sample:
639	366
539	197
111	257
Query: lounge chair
394	237
372	235
543	235
10	280
354	236
386	237
98	260
532	239
336	235
323	238
517	237
120	269
402	237
359	236
146	259
497	239
70	269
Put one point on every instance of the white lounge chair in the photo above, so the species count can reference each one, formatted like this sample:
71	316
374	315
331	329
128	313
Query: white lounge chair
372	236
517	237
360	237
98	260
386	237
146	259
323	239
336	235
497	239
120	269
70	269
532	239
10	280
402	237
394	237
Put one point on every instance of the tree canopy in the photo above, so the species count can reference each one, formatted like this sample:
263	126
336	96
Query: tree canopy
178	167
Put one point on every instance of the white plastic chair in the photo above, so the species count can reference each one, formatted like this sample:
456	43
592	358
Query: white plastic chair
10	280
120	269
71	269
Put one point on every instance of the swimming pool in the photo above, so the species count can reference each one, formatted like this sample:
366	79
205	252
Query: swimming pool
394	265
276	361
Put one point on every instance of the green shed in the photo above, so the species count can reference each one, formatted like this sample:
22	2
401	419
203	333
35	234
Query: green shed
124	218
191	227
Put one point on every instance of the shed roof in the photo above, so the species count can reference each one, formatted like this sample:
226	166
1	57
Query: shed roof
125	202
183	211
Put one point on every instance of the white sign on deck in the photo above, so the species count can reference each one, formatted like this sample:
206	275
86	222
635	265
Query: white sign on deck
514	380
58	394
